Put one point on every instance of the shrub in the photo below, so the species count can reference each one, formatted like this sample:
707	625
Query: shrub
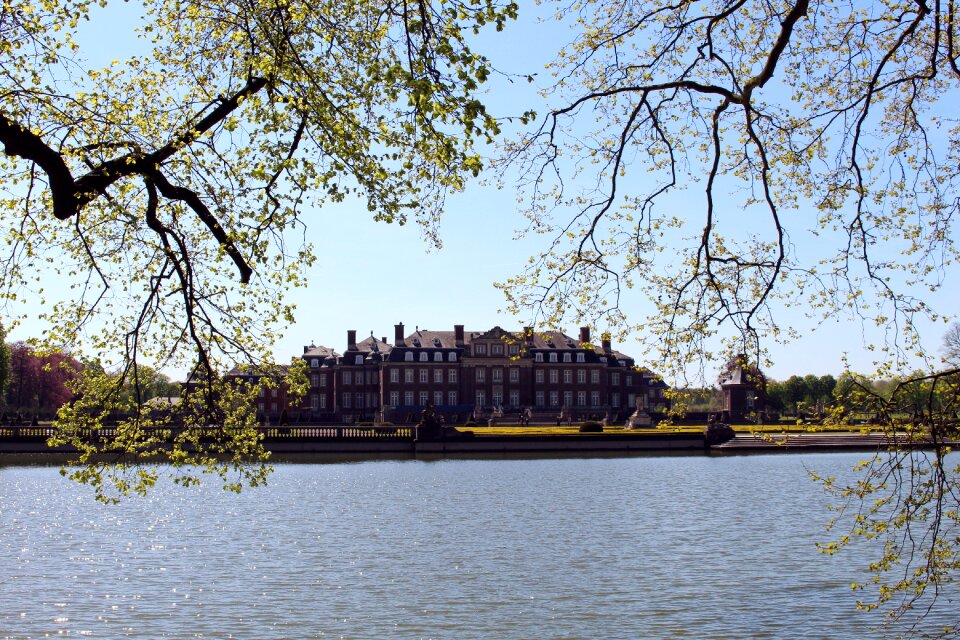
591	427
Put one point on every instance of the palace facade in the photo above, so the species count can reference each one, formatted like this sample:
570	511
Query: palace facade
465	375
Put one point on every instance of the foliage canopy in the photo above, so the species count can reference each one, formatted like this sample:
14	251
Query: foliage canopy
167	188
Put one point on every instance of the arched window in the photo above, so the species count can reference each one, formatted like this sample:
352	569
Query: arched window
408	356
452	357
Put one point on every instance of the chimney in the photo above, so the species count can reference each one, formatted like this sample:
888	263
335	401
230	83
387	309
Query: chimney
398	335
351	339
458	334
584	335
306	348
383	339
606	343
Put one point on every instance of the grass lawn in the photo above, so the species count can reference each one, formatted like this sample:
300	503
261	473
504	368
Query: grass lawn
544	430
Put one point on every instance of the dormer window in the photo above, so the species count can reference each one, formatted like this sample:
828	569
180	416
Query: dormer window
436	342
314	363
424	357
603	359
567	358
480	349
438	357
538	357
452	357
496	349
408	356
513	349
580	357
416	342
553	357
358	360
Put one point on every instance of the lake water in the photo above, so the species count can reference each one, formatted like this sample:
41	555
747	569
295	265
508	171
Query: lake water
639	547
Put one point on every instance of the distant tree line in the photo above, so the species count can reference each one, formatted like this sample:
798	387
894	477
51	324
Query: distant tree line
35	384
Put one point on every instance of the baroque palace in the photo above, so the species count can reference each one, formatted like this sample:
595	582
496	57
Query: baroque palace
543	376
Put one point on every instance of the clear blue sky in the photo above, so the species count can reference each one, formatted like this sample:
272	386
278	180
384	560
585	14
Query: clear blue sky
393	278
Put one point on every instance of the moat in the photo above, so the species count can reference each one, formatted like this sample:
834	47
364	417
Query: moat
654	547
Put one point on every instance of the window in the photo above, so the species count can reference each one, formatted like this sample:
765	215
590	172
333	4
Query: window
513	349
581	376
424	375
451	376
314	402
260	407
595	376
424	397
481	374
538	357
371	377
394	398
408	356
424	356
480	350
615	378
514	374
631	400
514	398
408	398
594	398
359	399
496	349
323	402
273	392
553	376
566	357
567	376
553	357
498	398
260	392
347	399
438	376
481	398
394	375
451	397
498	375
315	380
538	376
451	357
347	377
323	379
628	380
408	376
554	400
568	398
358	360
580	357
314	363
539	399
615	399
438	357
581	398
437	398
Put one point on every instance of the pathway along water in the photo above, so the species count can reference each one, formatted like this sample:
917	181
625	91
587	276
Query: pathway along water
640	547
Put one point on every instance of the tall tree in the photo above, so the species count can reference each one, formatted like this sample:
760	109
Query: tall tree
692	150
4	363
168	187
951	345
39	383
